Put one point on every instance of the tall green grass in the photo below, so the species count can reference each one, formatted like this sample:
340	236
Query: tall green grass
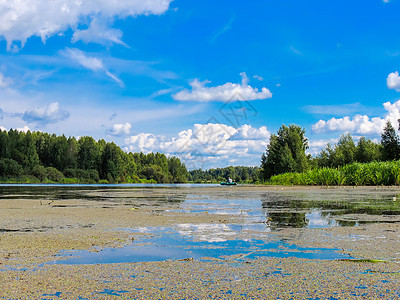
374	173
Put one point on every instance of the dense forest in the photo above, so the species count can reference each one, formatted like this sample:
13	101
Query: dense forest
238	174
345	163
41	157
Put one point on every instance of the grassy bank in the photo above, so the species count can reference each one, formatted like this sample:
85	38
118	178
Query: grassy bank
32	179
374	173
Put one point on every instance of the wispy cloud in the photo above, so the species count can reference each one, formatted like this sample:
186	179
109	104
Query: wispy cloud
295	51
92	63
258	77
162	92
4	81
223	30
338	110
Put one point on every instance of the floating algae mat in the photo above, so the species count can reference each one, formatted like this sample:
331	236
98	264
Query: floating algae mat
200	242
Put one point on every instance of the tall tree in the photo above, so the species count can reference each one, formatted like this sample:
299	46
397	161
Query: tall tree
390	143
177	170
286	152
111	163
88	153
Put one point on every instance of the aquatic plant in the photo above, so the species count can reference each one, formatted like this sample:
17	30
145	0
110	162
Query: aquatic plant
356	174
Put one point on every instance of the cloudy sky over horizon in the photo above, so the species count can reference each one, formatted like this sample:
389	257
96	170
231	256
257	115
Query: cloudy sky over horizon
209	82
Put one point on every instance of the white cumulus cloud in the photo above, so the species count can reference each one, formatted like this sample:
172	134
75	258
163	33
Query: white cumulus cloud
228	91
207	145
22	19
248	132
24	129
361	124
315	146
92	63
45	114
120	129
393	81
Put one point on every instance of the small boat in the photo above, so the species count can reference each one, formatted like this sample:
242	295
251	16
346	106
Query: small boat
228	183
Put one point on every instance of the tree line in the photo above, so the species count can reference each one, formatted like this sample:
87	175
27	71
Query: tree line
43	157
238	174
286	151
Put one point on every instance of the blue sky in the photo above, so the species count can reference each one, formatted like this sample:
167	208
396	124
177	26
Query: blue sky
208	81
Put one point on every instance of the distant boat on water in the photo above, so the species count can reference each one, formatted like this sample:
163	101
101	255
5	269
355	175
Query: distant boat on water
227	183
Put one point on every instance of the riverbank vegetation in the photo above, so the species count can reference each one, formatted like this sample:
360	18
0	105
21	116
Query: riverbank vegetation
41	157
346	163
238	174
37	157
373	173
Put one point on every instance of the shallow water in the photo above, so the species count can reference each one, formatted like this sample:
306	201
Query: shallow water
260	213
201	242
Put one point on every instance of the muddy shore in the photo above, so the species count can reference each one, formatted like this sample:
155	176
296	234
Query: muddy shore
34	230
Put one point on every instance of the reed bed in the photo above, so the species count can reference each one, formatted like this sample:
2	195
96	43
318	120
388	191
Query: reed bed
374	173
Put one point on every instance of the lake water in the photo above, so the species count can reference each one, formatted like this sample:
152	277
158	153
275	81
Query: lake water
260	214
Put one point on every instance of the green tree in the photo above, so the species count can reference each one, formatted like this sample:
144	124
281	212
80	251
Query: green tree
111	163
130	168
71	155
3	143
154	172
286	152
28	147
344	152
177	170
390	143
39	172
53	174
88	153
367	151
9	167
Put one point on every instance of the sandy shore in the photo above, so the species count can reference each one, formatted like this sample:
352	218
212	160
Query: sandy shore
33	231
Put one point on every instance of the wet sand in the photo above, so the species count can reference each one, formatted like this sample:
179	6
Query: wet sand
34	231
